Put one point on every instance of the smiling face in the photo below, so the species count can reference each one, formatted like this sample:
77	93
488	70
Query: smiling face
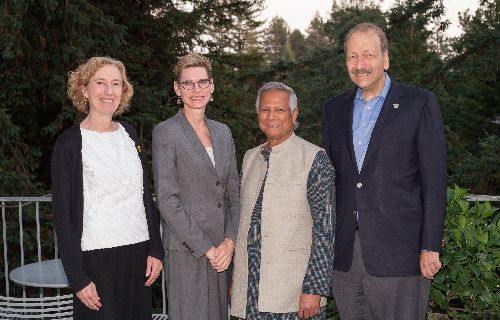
275	117
188	87
104	90
366	63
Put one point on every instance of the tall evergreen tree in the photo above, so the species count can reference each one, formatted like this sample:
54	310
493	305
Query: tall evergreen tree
471	76
316	35
276	40
348	13
242	35
411	43
297	43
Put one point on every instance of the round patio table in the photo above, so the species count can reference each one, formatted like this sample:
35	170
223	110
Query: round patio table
43	274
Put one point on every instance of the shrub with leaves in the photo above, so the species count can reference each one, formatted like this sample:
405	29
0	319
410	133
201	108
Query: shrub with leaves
469	283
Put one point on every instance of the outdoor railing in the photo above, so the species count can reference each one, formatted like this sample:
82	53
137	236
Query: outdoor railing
28	236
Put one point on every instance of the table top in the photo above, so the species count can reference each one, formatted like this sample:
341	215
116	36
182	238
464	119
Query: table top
43	274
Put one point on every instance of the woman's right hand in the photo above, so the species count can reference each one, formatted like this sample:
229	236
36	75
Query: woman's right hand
212	253
89	297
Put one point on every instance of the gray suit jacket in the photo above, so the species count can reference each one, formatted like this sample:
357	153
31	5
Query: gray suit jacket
199	203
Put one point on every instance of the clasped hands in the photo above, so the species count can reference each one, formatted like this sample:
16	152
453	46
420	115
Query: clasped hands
220	257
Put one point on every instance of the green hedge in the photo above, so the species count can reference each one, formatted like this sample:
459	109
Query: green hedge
468	285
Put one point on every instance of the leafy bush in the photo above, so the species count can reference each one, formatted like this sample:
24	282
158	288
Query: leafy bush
468	285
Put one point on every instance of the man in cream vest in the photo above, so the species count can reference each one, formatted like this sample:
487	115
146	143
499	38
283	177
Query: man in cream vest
284	250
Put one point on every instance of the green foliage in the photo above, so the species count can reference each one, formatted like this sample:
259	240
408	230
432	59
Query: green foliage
237	79
18	162
413	61
472	101
469	280
316	34
347	14
241	33
297	45
480	169
276	41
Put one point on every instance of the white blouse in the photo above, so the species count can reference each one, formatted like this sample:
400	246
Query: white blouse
113	207
210	152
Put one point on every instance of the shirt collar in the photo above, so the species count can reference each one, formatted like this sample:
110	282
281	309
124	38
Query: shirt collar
383	93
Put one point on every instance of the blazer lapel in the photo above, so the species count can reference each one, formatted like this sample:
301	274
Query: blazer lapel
195	141
387	115
216	145
348	109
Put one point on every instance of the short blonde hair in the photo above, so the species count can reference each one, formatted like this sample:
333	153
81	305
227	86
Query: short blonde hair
191	60
80	78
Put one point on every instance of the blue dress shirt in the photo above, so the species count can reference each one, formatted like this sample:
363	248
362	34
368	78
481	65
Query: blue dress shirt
364	117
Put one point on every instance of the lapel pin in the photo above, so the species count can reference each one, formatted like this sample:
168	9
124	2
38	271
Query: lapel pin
139	149
395	105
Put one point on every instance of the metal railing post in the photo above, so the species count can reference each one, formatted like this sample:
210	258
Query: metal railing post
6	261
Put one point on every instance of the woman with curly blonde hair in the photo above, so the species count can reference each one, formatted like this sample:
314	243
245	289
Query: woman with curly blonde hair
106	223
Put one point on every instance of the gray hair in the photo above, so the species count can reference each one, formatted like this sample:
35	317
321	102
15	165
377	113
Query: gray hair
277	86
366	27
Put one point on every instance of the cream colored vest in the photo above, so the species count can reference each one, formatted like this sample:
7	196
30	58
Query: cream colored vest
286	226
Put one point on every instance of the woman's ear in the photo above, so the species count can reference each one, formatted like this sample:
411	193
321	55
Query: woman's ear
176	88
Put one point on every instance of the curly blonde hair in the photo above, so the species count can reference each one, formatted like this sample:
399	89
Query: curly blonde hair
80	78
191	60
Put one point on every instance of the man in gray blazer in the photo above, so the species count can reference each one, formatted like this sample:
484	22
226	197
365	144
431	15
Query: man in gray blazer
284	251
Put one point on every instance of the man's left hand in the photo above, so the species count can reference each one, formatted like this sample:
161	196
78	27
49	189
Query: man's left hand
308	305
429	264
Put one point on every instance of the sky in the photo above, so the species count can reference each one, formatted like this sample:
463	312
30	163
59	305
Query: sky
299	13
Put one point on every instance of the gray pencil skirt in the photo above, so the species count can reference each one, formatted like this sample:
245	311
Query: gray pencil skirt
194	290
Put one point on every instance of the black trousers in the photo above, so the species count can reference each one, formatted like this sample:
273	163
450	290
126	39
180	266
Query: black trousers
119	276
361	296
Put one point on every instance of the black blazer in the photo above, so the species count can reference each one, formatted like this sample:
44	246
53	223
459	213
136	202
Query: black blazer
400	193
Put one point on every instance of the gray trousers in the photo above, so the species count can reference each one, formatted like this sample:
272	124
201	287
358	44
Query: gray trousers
361	296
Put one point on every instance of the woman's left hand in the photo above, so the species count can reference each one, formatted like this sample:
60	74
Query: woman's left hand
153	270
222	261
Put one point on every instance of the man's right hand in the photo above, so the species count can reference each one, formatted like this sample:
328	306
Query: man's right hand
308	305
89	297
429	264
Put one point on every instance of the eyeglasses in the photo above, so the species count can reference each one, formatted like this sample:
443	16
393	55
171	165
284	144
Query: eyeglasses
202	84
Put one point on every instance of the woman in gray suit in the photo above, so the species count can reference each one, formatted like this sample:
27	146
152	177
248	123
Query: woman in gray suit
196	178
